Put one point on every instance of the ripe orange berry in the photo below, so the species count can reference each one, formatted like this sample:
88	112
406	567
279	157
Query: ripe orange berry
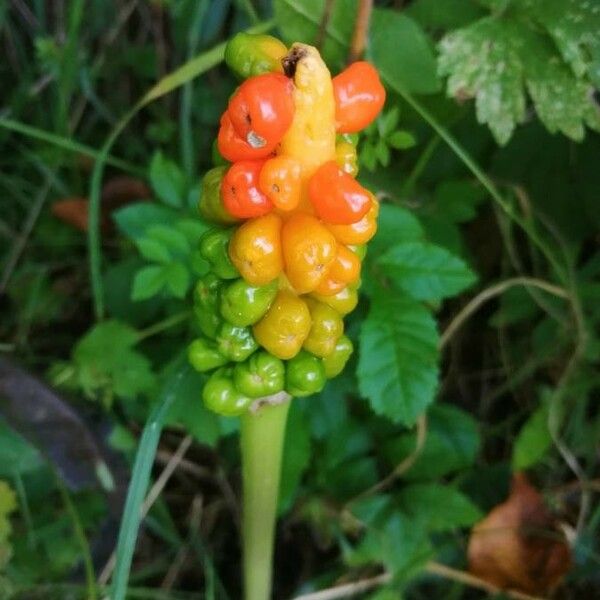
361	231
359	97
240	193
336	197
309	249
255	249
281	182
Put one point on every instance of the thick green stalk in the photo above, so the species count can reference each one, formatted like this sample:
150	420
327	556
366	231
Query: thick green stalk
262	438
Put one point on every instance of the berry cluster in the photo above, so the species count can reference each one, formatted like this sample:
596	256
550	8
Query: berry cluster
291	225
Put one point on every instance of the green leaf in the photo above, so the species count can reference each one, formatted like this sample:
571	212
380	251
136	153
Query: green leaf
457	200
177	279
168	180
301	21
495	59
451	444
442	507
388	121
17	456
134	219
401	140
171	237
402	52
394	224
188	409
425	271
446	15
399	543
107	363
296	456
148	282
574	26
533	441
397	369
153	250
482	61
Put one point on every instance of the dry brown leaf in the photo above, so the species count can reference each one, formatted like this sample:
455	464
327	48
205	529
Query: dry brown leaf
121	190
116	192
518	546
73	211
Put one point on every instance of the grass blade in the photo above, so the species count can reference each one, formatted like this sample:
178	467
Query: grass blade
138	486
65	143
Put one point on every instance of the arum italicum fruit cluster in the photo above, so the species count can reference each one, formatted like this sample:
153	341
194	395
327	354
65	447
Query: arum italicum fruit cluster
291	225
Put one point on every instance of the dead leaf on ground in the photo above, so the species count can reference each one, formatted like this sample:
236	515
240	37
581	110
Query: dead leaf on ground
116	192
518	545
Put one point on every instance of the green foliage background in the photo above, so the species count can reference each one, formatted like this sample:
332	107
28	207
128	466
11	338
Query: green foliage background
477	331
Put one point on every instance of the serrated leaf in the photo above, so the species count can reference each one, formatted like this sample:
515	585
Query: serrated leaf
398	363
301	21
400	543
395	224
107	363
442	507
451	444
573	24
153	250
401	51
495	59
533	440
168	180
148	282
425	271
482	61
401	140
134	219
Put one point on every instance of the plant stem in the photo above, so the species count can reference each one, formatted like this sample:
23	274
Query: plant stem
262	436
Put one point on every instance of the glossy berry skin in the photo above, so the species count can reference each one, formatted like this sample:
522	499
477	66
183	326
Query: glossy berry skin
262	109
220	395
304	375
236	343
345	270
335	362
242	198
249	54
281	182
255	249
205	356
327	326
309	249
360	232
211	205
243	304
284	327
359	97
214	246
261	375
234	148
344	301
206	304
336	197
